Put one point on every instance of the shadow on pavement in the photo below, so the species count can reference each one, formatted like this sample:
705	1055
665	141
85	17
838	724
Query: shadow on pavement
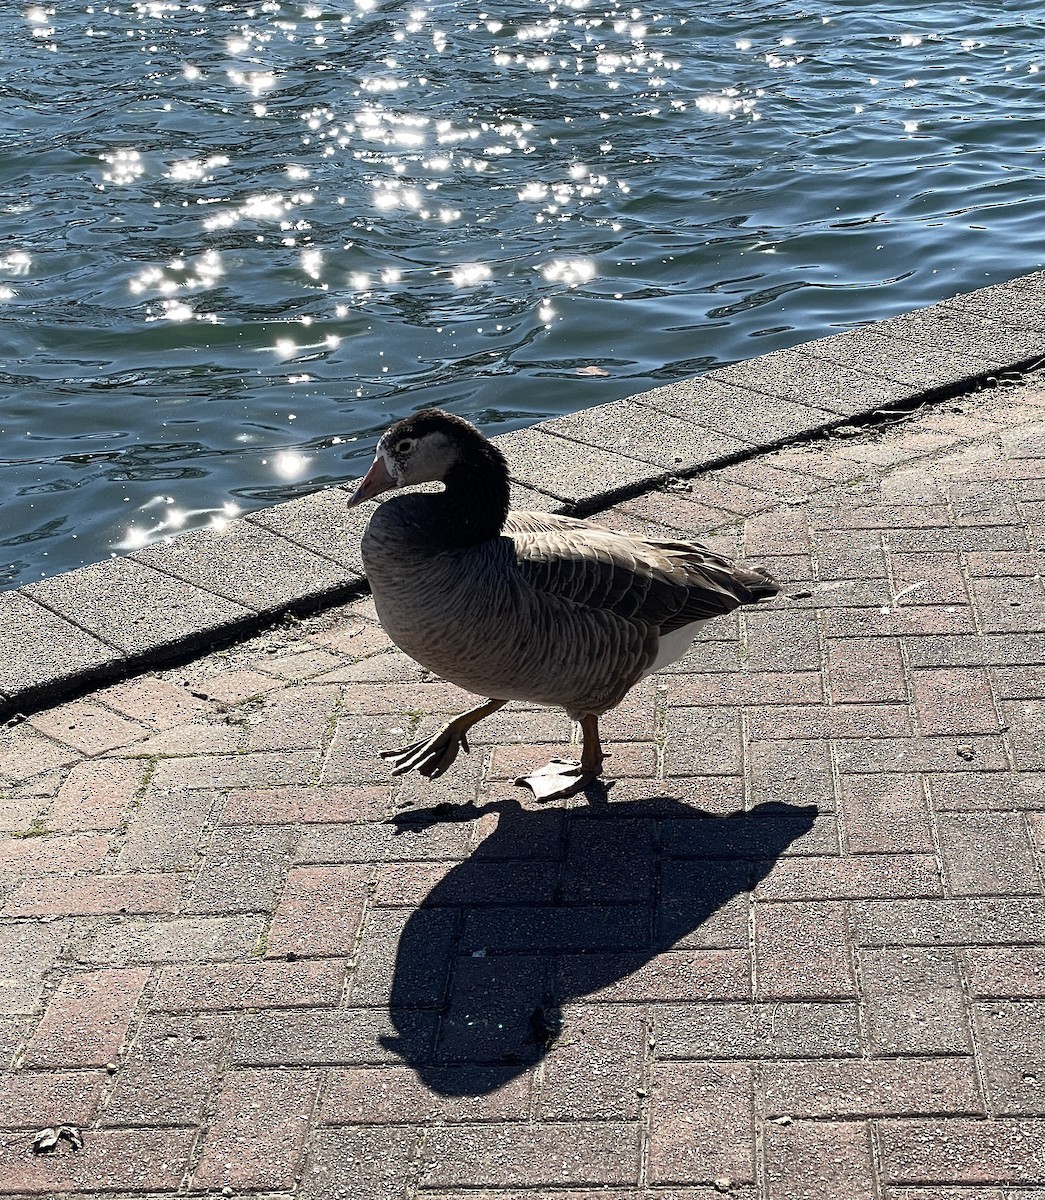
558	904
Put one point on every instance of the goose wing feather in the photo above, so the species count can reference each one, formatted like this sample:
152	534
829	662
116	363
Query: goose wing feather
663	584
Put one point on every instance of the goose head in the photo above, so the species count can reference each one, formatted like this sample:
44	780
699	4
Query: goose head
433	446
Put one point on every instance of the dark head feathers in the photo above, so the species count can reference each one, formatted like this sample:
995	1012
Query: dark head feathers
476	496
435	420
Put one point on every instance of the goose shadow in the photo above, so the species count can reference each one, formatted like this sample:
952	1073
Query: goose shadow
558	904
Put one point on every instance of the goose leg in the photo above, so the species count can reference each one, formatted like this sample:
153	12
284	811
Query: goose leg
433	756
564	777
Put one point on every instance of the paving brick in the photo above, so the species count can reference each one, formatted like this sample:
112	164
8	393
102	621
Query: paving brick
493	1005
817	1160
364	1163
251	985
702	741
974	753
223	733
670	975
954	701
230	686
802	951
820	722
112	1160
1026	731
910	621
22	810
25	753
703	904
1019	683
756	1031
885	814
532	1156
914	1001
701	1123
87	1019
48	895
259	769
37	1099
153	701
341	1037
609	862
786	640
790	771
1010	1036
962	1150
866	670
385	842
933	578
12	1033
28	951
828	877
1009	605
292	719
318	914
164	831
47	852
257	1134
382	1095
779	531
169	1072
88	727
304	805
849	554
973	793
595	1072
970	921
1005	971
95	794
178	940
880	1087
523	882
757	687
241	872
987	853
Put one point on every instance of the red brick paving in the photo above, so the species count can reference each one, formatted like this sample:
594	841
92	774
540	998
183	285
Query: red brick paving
243	960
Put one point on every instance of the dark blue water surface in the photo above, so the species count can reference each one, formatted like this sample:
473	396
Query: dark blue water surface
239	238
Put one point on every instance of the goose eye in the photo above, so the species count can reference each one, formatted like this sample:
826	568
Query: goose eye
404	445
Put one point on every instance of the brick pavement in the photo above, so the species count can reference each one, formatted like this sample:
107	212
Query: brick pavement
797	950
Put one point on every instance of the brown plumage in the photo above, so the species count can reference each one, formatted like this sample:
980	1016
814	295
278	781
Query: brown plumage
525	605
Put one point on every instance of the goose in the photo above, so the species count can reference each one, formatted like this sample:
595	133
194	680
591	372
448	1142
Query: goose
527	606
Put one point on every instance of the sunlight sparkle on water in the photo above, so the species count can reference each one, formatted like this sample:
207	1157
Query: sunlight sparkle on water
470	274
570	271
125	166
290	464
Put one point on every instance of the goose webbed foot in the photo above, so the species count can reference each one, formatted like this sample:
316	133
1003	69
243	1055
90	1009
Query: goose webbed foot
434	756
564	777
558	779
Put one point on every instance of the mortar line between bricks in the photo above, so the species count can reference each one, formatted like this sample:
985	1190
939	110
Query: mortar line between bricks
312	1125
877	1160
979	1066
352	960
1004	733
646	1099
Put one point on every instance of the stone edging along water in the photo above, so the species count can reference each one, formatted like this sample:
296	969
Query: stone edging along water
103	622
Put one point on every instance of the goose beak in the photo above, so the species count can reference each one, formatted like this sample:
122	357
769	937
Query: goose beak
376	481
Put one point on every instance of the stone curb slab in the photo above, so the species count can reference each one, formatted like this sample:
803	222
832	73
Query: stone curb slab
109	619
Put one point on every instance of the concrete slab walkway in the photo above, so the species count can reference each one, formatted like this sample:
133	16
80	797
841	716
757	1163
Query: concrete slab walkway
796	950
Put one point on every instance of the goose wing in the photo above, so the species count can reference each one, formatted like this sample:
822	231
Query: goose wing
662	584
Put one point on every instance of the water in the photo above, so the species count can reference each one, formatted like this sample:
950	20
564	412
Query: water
238	239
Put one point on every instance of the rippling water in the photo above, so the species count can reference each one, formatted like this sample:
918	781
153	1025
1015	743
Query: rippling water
238	239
